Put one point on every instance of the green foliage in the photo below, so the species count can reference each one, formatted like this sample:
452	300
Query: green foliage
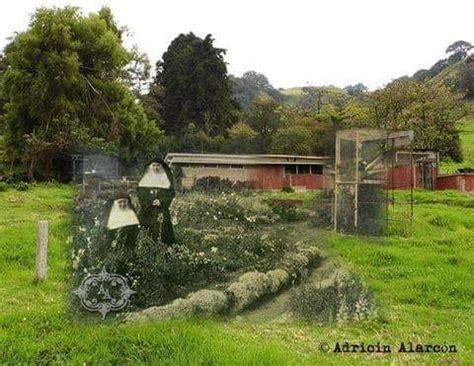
3	187
288	210
265	119
466	129
196	88
65	90
292	140
462	47
251	85
242	139
217	184
21	186
431	111
323	207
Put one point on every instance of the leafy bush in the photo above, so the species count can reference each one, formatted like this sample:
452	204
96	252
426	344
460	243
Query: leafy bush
288	210
201	210
288	189
202	302
3	187
342	300
278	279
21	186
15	177
296	263
218	184
250	287
322	207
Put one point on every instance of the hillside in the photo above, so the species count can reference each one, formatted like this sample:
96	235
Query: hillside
292	95
466	126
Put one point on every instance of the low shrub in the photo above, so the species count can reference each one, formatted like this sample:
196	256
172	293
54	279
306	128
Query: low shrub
21	186
345	299
208	302
296	263
202	302
218	184
200	210
278	279
322	208
288	189
250	287
288	210
3	187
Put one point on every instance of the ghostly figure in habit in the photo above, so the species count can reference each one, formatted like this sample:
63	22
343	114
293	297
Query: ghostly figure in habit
121	214
123	226
156	193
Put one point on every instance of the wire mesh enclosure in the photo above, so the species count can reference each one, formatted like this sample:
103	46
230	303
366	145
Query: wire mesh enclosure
368	168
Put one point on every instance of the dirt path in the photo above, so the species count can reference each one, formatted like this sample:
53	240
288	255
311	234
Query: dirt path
276	309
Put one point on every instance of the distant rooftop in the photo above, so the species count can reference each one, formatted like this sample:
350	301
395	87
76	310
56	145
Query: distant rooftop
254	159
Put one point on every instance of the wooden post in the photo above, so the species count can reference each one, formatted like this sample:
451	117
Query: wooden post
336	177
42	251
356	187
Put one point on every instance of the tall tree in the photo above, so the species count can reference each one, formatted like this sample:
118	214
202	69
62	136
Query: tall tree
250	85
196	87
241	139
265	119
292	140
430	110
66	86
459	47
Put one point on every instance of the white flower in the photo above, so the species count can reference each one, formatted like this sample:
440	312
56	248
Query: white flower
214	249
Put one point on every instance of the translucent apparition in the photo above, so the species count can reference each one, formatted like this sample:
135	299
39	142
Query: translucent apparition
155	177
121	215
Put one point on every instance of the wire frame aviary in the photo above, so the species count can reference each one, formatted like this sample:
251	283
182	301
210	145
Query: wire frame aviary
366	173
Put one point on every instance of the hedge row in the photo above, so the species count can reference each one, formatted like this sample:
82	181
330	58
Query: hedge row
250	288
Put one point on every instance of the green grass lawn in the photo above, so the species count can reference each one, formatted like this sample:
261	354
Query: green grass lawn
36	325
422	279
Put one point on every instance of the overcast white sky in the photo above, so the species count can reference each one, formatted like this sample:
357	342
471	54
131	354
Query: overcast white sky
294	43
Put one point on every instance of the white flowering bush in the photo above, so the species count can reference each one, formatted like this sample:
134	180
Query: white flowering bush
204	210
346	299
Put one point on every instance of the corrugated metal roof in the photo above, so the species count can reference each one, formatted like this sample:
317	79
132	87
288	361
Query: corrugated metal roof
259	159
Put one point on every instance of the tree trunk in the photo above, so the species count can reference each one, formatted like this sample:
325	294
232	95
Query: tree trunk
31	170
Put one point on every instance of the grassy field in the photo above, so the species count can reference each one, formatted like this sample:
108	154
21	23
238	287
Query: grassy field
422	279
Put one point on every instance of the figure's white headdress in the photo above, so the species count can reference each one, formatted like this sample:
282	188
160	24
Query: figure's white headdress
121	215
155	177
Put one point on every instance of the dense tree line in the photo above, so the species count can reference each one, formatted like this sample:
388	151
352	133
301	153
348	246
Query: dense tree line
69	84
66	87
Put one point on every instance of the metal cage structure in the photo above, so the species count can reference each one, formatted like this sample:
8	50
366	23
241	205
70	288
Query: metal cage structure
367	171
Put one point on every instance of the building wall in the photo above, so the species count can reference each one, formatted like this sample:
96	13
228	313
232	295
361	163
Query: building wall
265	177
191	174
461	182
274	178
401	177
